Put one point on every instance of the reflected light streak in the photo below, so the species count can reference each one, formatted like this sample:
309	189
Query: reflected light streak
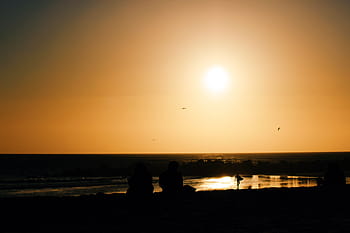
221	183
201	184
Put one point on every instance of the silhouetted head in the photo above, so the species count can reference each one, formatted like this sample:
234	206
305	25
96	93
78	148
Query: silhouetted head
140	168
334	176
173	166
333	166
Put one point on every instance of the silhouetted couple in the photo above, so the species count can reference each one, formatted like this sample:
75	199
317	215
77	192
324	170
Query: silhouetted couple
140	183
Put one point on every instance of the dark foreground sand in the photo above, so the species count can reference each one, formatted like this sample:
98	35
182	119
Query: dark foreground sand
268	210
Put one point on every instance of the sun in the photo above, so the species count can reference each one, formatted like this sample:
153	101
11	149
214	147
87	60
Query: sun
216	79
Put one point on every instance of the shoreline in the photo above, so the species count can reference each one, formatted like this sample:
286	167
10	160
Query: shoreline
79	186
156	195
85	186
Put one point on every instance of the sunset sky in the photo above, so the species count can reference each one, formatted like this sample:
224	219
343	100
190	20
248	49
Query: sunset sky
130	76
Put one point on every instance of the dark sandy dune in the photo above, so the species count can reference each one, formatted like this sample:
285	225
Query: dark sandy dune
268	210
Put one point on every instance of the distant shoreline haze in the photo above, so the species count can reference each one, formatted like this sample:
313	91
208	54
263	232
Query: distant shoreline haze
191	164
186	153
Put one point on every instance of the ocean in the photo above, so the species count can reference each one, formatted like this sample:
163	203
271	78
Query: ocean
86	174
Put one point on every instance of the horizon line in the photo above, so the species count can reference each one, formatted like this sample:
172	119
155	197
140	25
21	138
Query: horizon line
175	153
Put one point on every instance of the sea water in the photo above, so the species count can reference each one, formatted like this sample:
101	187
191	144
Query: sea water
17	180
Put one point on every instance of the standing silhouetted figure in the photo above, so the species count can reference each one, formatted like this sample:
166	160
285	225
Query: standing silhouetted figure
140	183
334	176
171	180
238	180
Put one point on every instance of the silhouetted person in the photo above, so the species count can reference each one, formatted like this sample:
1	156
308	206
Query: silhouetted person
171	180
140	183
334	176
238	180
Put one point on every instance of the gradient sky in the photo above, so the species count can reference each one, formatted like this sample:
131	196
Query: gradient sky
112	76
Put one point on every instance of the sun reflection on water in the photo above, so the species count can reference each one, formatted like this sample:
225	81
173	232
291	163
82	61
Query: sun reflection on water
251	182
220	183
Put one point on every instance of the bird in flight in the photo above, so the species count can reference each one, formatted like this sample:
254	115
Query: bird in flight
279	128
183	108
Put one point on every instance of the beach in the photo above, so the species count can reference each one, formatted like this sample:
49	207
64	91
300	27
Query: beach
74	193
262	210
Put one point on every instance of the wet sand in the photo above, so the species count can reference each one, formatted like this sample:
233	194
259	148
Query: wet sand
265	210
